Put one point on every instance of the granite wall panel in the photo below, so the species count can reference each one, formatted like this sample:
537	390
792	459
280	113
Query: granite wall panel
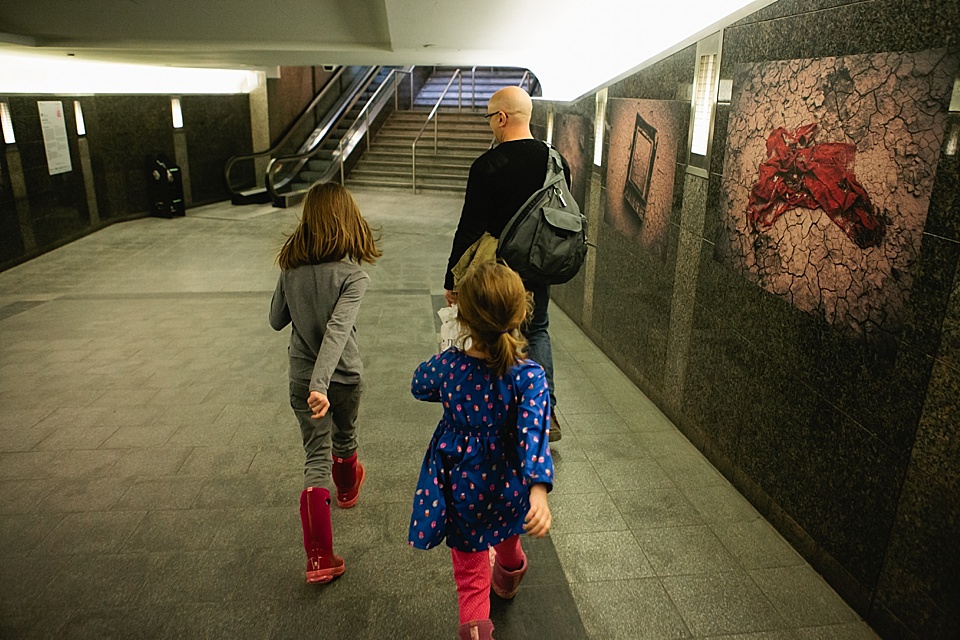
216	127
122	132
848	440
919	588
129	129
632	308
11	242
57	203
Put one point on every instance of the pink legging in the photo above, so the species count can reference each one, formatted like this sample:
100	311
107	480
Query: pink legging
471	570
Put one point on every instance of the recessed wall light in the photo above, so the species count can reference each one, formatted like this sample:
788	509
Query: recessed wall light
599	119
78	112
177	113
7	123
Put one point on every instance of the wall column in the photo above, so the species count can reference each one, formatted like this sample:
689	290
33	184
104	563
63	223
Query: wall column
260	126
182	160
86	170
689	249
19	186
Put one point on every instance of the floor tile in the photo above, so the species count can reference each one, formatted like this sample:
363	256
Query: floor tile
593	557
722	603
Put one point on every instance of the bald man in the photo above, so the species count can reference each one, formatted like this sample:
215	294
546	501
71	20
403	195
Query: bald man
500	182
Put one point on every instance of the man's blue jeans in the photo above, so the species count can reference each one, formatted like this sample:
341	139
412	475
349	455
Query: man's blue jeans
538	339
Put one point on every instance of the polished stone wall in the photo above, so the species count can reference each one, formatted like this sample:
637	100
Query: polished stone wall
39	211
842	428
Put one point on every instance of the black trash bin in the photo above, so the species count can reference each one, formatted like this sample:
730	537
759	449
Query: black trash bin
165	187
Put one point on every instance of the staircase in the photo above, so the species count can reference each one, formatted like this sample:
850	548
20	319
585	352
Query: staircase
461	139
463	134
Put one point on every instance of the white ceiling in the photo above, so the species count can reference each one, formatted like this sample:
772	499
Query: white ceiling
573	46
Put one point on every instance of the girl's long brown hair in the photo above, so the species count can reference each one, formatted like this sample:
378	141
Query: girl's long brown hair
331	229
492	305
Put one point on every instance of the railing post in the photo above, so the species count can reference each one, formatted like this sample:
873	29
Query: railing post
413	167
366	118
342	178
411	91
473	88
396	99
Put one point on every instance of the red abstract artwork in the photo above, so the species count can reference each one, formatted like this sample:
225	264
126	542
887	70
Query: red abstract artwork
828	169
801	173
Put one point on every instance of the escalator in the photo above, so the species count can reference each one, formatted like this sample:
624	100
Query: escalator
316	146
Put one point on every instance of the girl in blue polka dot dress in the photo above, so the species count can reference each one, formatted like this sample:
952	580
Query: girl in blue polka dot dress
488	469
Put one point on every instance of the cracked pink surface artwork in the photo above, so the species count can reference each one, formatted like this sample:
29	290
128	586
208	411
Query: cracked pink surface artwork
827	176
573	138
644	139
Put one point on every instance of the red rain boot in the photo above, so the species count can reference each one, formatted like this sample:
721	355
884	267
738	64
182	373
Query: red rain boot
348	475
322	564
506	583
476	630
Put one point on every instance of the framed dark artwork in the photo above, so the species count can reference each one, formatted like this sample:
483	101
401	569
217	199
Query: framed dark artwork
643	140
828	170
643	152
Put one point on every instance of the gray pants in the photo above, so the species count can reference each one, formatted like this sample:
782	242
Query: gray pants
334	433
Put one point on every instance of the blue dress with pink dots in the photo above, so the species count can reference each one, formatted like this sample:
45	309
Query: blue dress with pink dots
489	448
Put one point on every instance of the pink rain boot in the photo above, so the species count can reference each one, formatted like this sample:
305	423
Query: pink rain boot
322	565
348	475
506	583
476	630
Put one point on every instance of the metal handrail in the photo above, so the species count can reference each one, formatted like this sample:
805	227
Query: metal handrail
457	75
286	137
525	79
473	87
301	158
364	117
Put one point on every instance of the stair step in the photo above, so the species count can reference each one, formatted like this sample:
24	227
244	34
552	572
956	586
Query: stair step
401	185
426	163
360	172
449	136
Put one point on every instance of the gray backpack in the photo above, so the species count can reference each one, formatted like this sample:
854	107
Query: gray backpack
546	240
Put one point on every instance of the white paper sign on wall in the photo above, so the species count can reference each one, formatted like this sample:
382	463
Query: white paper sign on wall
55	143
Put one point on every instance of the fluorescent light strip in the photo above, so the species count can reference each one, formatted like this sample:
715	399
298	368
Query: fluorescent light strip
33	75
701	119
7	123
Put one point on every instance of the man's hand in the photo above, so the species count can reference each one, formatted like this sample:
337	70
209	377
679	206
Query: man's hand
538	520
451	297
319	403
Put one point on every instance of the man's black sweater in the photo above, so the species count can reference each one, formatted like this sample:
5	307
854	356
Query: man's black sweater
500	181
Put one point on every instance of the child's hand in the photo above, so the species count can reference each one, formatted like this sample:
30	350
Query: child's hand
319	403
538	520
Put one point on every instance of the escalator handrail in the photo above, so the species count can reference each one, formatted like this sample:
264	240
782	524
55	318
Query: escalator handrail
272	150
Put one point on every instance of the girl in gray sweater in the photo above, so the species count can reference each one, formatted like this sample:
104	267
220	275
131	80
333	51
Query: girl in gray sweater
319	293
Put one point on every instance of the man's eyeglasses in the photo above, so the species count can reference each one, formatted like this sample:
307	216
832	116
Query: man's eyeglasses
490	115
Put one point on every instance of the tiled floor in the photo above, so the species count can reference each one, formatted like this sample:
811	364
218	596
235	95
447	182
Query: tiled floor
149	462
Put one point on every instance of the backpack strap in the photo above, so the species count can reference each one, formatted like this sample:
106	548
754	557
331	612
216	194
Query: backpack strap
554	166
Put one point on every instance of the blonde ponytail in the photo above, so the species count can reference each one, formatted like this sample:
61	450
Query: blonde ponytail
493	305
